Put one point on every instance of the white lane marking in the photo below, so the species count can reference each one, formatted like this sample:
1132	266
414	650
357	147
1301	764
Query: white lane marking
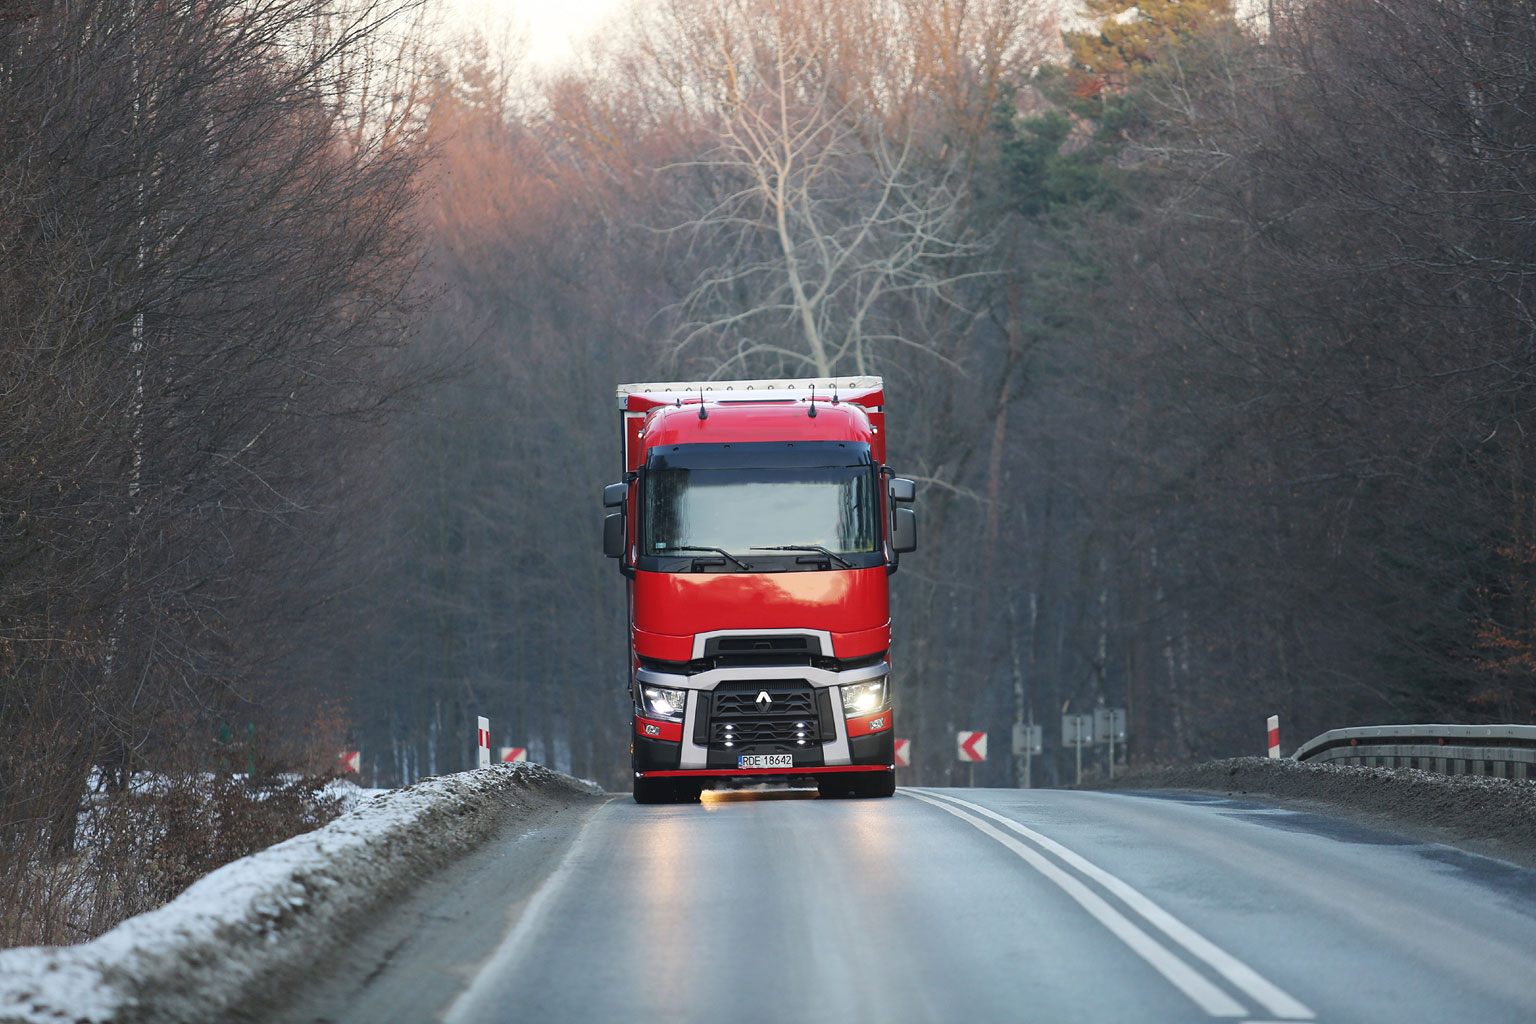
1270	996
512	948
1185	978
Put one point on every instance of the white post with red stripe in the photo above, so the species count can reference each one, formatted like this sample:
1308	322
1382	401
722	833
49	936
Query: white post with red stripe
484	741
1274	735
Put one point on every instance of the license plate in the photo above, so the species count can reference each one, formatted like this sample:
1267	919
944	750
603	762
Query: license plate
765	760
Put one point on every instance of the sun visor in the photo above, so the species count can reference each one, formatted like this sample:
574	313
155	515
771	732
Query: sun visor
761	455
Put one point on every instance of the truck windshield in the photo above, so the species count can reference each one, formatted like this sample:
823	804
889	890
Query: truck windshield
698	501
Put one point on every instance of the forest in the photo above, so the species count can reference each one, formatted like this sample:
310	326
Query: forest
1207	331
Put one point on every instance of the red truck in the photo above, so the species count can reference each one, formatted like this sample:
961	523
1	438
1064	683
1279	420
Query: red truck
757	525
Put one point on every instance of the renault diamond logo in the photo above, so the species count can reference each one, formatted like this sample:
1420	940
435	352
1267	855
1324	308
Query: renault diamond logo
764	700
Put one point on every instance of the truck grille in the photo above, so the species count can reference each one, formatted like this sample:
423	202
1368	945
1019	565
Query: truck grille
745	704
738	715
749	733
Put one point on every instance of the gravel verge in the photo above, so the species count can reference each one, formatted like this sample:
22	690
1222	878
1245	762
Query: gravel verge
232	930
1490	816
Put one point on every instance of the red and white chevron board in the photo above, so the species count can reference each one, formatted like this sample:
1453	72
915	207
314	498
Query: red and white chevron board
972	746
903	753
510	755
349	762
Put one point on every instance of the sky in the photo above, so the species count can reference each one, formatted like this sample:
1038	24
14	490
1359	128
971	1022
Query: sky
550	25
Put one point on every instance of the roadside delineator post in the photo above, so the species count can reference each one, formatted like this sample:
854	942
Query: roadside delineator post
970	748
484	741
1274	735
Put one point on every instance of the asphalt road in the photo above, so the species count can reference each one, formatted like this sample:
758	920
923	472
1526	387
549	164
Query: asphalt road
947	905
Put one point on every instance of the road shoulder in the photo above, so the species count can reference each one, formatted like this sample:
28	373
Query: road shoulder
408	959
1483	815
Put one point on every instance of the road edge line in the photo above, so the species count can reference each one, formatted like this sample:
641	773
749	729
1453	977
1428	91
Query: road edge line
1203	992
513	945
1273	998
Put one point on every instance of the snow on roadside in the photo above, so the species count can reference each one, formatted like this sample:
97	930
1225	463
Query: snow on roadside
350	794
1477	812
195	956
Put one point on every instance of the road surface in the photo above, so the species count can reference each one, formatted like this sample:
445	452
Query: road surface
946	905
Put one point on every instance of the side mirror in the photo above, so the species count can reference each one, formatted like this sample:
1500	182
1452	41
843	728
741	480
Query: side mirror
614	495
903	489
613	533
904	530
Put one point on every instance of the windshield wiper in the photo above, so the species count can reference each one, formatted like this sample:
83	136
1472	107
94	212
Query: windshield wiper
834	556
718	551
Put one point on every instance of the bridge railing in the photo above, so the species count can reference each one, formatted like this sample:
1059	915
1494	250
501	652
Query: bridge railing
1503	751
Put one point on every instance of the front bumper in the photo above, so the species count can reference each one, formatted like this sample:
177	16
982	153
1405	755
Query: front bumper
798	711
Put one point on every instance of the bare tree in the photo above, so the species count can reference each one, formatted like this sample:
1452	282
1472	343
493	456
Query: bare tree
829	208
206	283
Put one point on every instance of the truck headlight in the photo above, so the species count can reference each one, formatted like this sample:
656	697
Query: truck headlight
862	698
660	702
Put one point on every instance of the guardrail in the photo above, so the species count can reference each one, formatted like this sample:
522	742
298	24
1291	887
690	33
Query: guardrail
1503	751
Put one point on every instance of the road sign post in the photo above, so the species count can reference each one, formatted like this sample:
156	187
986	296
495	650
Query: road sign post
1027	742
483	742
1274	735
1109	726
1077	732
970	748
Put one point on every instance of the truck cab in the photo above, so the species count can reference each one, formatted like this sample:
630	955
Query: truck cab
757	525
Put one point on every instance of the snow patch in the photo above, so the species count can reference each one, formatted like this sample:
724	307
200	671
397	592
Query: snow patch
195	956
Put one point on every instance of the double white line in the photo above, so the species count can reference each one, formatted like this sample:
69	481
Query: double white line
1210	997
